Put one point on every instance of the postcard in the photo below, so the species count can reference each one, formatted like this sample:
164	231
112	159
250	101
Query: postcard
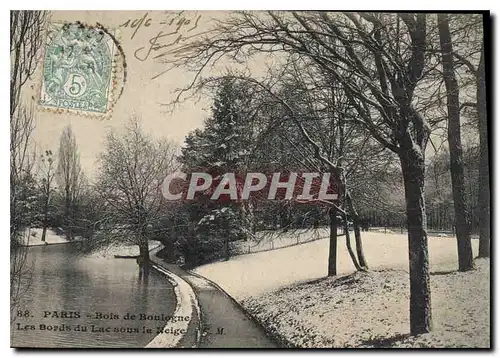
250	179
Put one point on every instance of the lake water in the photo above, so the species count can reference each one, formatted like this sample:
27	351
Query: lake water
101	291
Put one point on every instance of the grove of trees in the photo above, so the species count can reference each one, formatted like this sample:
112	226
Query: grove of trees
388	68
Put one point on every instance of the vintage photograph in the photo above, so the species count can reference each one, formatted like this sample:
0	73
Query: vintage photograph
250	179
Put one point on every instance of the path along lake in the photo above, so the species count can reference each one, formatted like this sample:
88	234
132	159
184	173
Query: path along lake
63	280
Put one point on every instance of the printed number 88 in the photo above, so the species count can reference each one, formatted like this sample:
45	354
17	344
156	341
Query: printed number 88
23	313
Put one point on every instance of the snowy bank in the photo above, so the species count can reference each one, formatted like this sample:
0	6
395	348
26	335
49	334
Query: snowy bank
286	290
255	274
186	306
122	250
371	310
33	237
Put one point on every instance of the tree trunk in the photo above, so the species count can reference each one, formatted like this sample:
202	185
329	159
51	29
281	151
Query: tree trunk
226	248
67	213
143	261
484	171
143	253
462	224
44	231
247	211
46	212
332	252
285	218
316	219
226	240
413	166
357	233
359	246
348	244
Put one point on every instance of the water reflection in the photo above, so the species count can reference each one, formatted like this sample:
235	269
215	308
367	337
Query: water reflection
64	281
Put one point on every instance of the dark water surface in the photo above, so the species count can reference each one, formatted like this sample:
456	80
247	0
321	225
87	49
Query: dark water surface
62	280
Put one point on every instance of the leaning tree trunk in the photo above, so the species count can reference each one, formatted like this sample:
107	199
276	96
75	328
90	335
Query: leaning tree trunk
357	233
462	224
332	251
348	244
484	172
413	166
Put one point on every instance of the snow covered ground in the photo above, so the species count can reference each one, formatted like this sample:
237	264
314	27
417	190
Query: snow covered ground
271	240
287	291
371	310
255	274
33	237
122	250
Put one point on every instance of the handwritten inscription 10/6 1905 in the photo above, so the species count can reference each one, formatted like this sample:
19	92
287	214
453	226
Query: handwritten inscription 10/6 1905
174	29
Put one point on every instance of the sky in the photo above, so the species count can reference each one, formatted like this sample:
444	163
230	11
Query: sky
143	96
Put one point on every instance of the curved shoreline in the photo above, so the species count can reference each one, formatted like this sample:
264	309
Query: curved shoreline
186	306
268	332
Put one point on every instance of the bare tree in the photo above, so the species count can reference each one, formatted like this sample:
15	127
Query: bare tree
47	172
336	142
476	27
131	171
69	176
26	31
324	141
484	171
20	275
462	222
379	59
26	34
21	169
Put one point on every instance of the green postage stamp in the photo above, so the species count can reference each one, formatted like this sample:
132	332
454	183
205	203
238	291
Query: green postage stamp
78	69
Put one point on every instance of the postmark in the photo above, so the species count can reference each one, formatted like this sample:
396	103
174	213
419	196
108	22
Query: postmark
78	69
